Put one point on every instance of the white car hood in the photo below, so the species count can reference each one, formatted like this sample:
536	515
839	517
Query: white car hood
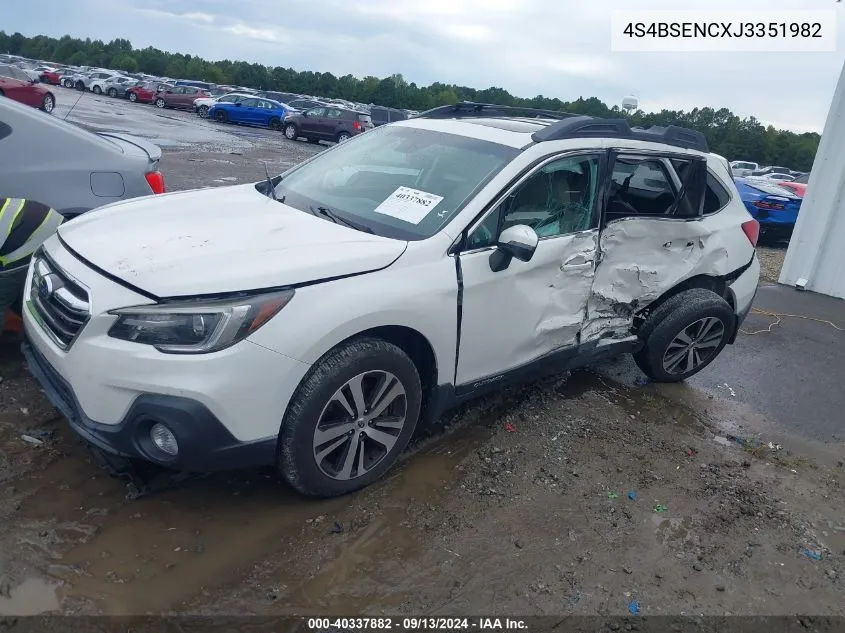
220	240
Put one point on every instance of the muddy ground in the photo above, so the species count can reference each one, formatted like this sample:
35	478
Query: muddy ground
584	494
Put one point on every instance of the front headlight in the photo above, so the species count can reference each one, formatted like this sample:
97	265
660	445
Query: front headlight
197	327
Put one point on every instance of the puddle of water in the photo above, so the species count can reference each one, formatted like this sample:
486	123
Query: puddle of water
156	553
348	583
32	597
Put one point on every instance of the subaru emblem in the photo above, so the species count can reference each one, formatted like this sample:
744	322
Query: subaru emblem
45	287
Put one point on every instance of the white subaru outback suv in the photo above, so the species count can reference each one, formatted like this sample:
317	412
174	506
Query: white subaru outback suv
312	320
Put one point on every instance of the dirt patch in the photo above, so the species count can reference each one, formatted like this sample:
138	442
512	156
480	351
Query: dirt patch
771	261
584	503
575	496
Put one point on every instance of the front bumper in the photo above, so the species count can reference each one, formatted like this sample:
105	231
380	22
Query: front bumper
205	444
225	408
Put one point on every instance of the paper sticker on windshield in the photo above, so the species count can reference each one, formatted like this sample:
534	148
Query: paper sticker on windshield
410	205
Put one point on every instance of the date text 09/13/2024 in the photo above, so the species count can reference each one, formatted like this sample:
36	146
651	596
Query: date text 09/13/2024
417	624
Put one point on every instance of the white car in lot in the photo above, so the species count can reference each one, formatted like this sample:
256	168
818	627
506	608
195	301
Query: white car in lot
313	320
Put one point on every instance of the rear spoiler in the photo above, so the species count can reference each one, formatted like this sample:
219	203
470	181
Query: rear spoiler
153	151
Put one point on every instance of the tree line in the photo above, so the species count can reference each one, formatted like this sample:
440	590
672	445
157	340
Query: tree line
727	134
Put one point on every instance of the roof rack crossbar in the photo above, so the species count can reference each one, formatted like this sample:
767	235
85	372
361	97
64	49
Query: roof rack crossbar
586	126
568	125
466	109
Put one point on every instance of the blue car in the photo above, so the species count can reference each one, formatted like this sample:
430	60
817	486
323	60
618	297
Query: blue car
254	111
774	207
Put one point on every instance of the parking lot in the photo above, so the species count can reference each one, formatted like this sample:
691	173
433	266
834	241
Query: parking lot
581	494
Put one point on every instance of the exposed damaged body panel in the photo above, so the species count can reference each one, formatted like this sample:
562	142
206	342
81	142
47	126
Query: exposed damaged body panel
663	221
643	258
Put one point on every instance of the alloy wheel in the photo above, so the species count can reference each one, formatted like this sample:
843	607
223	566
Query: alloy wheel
360	425
694	346
49	104
290	132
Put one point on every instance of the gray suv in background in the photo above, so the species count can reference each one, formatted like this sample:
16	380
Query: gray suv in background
72	170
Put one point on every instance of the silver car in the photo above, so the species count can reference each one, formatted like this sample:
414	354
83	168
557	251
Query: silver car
72	170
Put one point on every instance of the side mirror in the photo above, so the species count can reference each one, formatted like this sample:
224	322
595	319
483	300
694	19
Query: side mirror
518	242
238	104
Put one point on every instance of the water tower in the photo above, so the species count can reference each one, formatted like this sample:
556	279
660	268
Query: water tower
629	104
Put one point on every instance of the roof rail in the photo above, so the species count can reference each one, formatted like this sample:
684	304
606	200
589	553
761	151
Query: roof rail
472	109
586	126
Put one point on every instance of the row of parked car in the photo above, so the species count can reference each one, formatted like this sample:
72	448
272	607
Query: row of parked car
299	116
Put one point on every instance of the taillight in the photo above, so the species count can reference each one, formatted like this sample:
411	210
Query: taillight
356	125
156	181
752	231
760	204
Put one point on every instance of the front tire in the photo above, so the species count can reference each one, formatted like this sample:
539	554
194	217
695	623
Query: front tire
133	97
350	418
48	103
275	124
112	93
291	133
160	103
684	334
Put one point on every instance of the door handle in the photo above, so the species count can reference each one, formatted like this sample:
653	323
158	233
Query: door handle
576	261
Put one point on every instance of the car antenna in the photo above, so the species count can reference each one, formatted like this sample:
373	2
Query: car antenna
81	94
270	183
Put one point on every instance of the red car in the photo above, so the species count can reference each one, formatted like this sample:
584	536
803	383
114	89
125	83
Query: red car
16	84
797	186
50	77
145	93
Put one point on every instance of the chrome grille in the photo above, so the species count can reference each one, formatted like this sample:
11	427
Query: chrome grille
60	303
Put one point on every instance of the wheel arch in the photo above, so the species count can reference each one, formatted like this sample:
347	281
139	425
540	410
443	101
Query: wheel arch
418	348
717	285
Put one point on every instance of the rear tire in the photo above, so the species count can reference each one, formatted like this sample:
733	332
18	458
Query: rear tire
684	334
221	116
203	111
97	90
343	136
48	103
112	93
291	132
381	373
80	86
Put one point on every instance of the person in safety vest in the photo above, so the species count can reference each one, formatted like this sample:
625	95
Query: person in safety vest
24	225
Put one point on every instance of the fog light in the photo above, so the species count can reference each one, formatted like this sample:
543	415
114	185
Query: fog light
164	439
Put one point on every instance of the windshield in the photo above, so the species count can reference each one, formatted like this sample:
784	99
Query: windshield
398	182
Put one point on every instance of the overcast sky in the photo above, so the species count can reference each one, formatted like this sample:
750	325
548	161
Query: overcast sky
558	48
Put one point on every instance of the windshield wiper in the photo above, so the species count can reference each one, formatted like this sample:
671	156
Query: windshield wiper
331	215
